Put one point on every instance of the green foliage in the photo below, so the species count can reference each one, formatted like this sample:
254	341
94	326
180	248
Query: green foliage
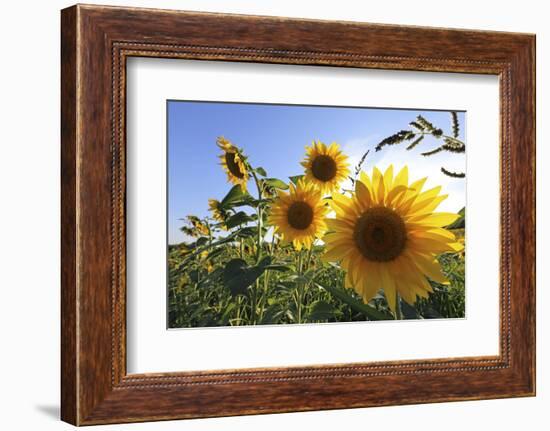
221	282
296	178
420	128
276	183
446	301
238	219
233	197
397	138
357	305
359	166
238	275
455	124
460	223
261	172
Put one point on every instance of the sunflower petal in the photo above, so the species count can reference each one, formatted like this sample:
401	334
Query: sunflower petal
388	177
428	245
388	284
365	179
370	277
440	219
425	198
431	268
402	178
363	194
335	254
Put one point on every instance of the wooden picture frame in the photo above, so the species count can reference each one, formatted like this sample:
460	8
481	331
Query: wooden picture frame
95	43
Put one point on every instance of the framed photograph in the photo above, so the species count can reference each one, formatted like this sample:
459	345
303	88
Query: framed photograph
264	215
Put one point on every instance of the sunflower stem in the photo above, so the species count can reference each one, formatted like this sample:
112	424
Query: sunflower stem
300	287
259	212
398	313
253	299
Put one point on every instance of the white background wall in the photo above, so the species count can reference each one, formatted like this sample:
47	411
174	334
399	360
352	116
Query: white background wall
29	214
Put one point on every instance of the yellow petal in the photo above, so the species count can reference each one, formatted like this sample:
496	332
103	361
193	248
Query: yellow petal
349	282
456	246
378	185
432	205
428	245
425	198
417	185
356	260
440	219
388	177
335	254
407	293
363	194
339	224
370	281
365	179
341	204
440	235
431	268
402	178
394	193
388	284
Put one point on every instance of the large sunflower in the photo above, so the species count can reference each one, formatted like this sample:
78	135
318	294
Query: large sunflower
387	236
326	166
233	163
299	215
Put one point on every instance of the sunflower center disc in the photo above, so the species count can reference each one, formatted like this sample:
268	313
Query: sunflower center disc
323	168
380	234
232	165
300	215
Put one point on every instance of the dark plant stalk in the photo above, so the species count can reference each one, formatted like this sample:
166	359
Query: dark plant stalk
398	313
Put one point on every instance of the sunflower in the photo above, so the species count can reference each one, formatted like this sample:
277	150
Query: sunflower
233	163
215	208
198	227
387	236
299	215
326	166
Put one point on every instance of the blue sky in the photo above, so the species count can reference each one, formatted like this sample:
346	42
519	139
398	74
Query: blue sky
274	137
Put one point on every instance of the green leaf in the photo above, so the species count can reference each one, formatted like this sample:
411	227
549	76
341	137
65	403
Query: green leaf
238	275
194	275
432	313
246	232
261	171
321	310
235	194
371	312
409	312
276	183
272	314
460	223
234	276
199	242
245	200
455	124
415	142
215	253
297	278
281	268
296	178
237	219
211	278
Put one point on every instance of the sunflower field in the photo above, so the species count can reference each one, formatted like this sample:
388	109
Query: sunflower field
323	246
